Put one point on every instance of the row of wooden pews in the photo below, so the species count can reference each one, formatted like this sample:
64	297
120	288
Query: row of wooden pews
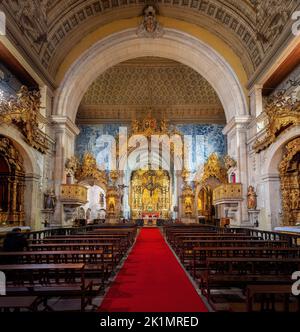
72	266
256	266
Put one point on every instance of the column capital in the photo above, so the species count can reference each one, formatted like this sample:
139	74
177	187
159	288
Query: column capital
64	123
238	122
257	88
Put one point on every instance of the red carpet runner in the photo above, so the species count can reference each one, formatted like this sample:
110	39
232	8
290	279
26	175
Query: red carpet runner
152	280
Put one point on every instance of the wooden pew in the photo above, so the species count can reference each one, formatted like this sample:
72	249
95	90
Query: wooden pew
48	280
200	254
16	304
267	294
239	272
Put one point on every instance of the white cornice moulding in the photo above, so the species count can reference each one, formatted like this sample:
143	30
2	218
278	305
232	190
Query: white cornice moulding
234	122
65	123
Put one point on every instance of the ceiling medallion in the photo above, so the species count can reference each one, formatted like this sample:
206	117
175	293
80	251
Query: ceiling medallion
150	27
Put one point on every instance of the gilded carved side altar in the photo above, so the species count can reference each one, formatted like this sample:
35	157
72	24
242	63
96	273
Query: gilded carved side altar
289	170
12	184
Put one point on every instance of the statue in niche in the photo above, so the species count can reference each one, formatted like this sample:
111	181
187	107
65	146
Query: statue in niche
101	200
252	198
88	214
111	207
50	200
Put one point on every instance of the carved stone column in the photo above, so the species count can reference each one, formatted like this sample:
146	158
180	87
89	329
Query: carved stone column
236	131
65	133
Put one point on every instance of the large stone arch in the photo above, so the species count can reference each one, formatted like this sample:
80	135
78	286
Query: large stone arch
271	178
274	154
173	45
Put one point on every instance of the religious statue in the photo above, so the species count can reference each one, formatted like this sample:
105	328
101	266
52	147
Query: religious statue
229	162
88	214
252	198
101	200
50	200
111	208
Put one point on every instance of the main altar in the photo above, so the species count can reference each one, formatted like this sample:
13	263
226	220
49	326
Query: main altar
150	194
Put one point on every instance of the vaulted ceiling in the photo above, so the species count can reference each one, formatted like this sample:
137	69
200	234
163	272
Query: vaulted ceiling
171	90
47	30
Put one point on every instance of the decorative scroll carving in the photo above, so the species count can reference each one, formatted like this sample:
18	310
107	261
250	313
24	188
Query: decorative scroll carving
150	26
282	113
149	126
271	17
23	111
289	169
31	17
214	168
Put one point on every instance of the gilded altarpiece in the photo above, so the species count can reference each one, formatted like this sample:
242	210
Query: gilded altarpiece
12	184
290	183
150	193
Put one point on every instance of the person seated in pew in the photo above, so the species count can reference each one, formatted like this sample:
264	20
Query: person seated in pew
15	241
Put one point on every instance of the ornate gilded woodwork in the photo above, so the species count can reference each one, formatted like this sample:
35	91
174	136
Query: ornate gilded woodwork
23	111
282	112
87	170
289	170
150	192
229	191
113	202
12	184
214	168
149	126
188	199
73	194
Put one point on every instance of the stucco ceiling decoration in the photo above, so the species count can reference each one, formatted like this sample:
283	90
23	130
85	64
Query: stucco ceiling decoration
166	87
53	27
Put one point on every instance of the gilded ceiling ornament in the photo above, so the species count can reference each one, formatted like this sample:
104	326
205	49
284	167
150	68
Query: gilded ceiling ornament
282	112
149	126
150	26
23	111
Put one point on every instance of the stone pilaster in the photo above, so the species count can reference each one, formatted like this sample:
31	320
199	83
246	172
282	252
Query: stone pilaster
65	132
236	131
